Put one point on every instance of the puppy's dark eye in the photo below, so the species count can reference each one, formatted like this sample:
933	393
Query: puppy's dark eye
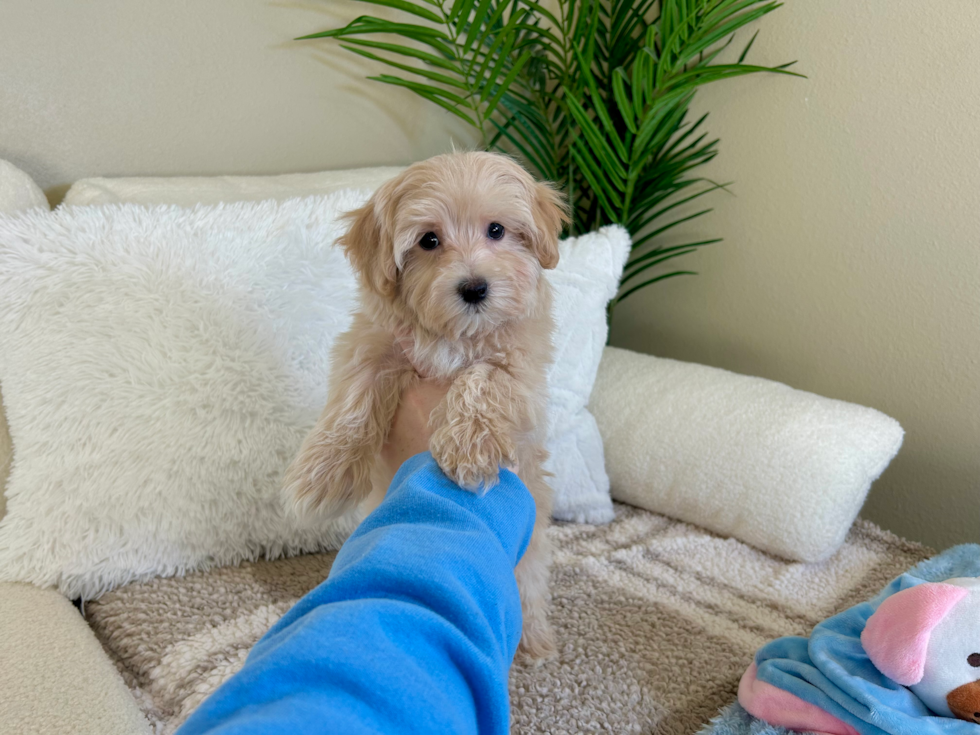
974	660
429	241
495	231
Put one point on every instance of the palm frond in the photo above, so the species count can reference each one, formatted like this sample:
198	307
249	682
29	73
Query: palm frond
593	94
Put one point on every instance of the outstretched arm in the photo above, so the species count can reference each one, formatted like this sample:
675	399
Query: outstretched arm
414	630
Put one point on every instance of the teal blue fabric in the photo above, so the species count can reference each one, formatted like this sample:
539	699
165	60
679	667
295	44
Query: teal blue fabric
414	630
831	670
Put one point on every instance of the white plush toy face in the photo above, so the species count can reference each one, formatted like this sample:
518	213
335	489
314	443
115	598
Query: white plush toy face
928	638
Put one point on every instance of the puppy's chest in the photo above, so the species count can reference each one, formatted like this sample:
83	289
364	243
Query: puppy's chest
445	359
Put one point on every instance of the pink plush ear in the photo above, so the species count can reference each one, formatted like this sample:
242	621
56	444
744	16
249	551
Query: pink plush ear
897	634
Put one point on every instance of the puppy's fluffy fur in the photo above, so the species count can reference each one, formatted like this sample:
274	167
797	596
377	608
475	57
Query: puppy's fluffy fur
424	312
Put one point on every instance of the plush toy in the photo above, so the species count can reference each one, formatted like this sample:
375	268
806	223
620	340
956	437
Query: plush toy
927	638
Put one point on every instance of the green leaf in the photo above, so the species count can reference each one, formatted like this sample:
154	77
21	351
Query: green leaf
492	24
623	103
627	21
600	145
475	27
525	150
593	176
414	53
419	87
653	263
504	85
407	7
718	72
535	126
727	28
653	193
441	97
673	205
537	123
370	24
612	135
715	52
489	80
642	85
542	11
658	118
745	51
659	251
664	277
660	230
460	13
681	137
540	35
590	36
507	37
434	76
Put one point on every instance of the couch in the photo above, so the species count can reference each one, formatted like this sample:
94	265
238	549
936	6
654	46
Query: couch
720	542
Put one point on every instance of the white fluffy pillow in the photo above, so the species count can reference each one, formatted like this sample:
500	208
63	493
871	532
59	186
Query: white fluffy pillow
17	193
586	278
161	366
781	469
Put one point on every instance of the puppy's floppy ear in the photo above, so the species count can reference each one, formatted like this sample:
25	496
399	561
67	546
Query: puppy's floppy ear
550	213
369	243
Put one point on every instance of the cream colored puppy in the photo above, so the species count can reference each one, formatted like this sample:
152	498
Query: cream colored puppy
450	256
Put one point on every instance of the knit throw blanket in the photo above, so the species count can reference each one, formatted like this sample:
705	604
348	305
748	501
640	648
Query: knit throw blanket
656	622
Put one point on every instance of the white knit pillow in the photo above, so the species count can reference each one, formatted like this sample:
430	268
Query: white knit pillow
782	469
161	366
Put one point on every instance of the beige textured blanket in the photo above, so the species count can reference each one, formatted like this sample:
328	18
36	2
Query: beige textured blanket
656	621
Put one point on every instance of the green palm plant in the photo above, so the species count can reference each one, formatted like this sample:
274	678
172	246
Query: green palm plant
593	94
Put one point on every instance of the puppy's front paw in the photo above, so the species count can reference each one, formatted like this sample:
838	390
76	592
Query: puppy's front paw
470	453
328	478
538	642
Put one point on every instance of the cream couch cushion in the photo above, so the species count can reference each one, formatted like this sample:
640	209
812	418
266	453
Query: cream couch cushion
186	191
55	677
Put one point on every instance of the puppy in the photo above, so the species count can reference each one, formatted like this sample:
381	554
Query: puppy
450	256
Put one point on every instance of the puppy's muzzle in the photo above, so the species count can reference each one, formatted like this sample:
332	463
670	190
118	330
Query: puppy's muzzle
473	291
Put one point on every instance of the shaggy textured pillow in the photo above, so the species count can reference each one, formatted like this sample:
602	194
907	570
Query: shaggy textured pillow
586	278
17	193
161	366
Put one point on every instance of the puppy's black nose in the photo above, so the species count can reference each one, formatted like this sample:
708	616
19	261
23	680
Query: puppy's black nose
473	292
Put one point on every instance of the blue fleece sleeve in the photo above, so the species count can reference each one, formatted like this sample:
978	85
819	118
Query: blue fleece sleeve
413	631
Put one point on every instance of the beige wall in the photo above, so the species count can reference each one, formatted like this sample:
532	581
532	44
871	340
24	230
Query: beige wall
851	265
851	261
136	87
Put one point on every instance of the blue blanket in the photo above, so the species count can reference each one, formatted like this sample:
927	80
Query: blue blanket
831	671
